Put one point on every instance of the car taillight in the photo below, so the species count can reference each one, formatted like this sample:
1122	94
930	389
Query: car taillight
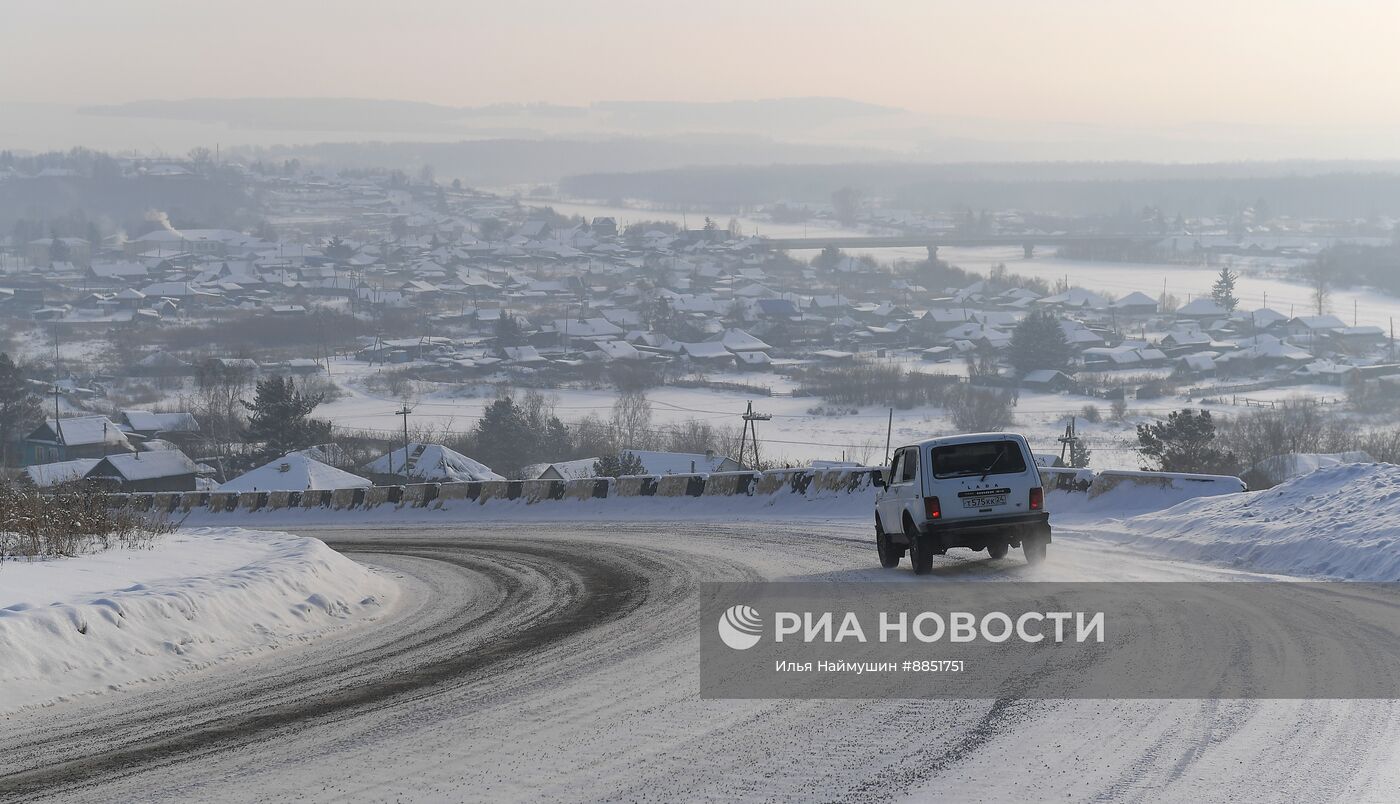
1037	498
931	508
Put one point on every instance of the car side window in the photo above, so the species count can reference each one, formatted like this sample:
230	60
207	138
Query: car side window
911	465
897	468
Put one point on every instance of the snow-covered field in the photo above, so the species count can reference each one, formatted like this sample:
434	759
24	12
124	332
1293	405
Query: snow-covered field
197	597
793	435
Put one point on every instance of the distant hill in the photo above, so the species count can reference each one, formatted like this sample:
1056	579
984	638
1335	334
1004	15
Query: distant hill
361	114
292	114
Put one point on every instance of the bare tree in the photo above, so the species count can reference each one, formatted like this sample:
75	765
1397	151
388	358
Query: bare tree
220	389
593	438
1320	278
631	422
693	436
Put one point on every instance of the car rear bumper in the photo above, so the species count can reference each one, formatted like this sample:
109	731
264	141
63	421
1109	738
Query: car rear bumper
978	533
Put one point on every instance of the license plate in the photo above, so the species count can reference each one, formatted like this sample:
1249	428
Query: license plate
985	502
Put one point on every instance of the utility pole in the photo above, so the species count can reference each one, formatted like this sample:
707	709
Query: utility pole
750	423
1065	440
57	424
403	411
889	431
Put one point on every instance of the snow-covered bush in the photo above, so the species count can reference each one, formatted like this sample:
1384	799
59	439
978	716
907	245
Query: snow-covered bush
69	520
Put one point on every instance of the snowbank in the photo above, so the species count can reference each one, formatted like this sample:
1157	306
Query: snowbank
1337	522
1121	493
1275	470
92	623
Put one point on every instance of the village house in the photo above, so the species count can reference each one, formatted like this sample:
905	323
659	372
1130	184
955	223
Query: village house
1136	303
77	437
156	470
1309	330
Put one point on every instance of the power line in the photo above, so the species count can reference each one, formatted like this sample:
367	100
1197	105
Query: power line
1097	445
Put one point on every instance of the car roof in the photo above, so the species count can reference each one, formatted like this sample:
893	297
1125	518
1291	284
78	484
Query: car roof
968	438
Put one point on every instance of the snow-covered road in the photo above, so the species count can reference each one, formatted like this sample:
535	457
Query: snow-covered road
559	661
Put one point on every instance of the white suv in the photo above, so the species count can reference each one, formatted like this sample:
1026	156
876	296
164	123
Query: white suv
980	491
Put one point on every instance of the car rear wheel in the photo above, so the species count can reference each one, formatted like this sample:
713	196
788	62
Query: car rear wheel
889	554
998	549
920	551
1034	548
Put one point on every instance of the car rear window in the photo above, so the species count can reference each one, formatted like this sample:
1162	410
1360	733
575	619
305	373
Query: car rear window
961	460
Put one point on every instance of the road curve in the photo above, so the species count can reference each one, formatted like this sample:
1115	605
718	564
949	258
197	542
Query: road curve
559	662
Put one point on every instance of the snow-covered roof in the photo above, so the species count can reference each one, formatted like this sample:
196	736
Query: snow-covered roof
523	354
1135	299
52	474
737	340
569	470
1263	317
1267	348
1315	323
113	270
1325	368
294	472
1183	337
1204	306
619	350
86	430
431	463
709	349
145	465
1042	376
1074	297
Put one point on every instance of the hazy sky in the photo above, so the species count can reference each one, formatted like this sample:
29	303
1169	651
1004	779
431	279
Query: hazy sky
1132	62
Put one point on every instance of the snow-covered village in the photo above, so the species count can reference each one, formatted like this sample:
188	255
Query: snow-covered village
413	307
628	439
